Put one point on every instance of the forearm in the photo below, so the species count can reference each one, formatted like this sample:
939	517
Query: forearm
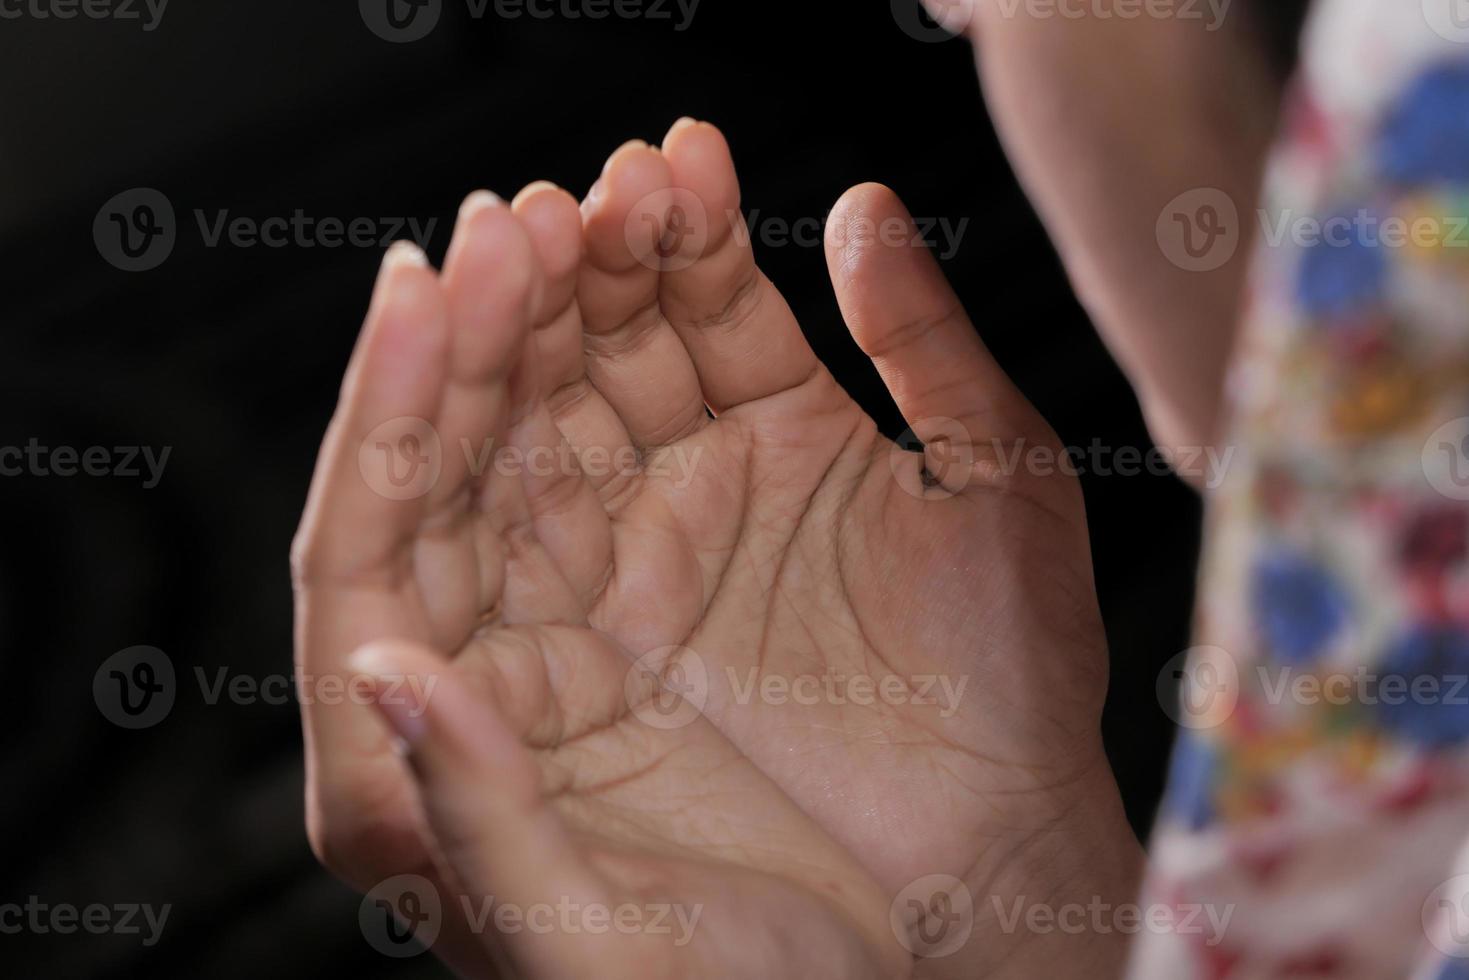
1179	117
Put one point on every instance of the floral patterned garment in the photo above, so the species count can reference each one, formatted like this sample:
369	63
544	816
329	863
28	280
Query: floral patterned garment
1319	799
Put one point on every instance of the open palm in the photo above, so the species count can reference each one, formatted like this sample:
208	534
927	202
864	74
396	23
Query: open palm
540	772
904	645
908	644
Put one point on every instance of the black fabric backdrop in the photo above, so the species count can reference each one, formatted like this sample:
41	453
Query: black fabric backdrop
231	357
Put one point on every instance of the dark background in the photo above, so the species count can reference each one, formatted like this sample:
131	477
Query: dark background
231	357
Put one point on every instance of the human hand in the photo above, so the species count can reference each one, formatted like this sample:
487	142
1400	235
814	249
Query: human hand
786	540
534	776
786	548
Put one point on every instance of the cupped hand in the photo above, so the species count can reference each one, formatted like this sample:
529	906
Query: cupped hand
906	645
525	768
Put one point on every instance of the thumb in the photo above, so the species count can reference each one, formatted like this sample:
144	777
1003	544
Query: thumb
905	317
479	785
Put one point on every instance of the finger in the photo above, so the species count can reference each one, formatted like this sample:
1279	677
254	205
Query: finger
743	338
634	356
554	686
553	219
567	514
480	789
354	554
906	318
567	517
359	518
491	286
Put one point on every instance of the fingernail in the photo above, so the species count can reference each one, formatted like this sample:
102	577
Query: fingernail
399	697
478	201
683	122
595	194
629	145
533	188
404	253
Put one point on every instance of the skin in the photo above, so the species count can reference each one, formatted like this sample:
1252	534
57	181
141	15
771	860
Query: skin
800	543
796	545
1156	107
